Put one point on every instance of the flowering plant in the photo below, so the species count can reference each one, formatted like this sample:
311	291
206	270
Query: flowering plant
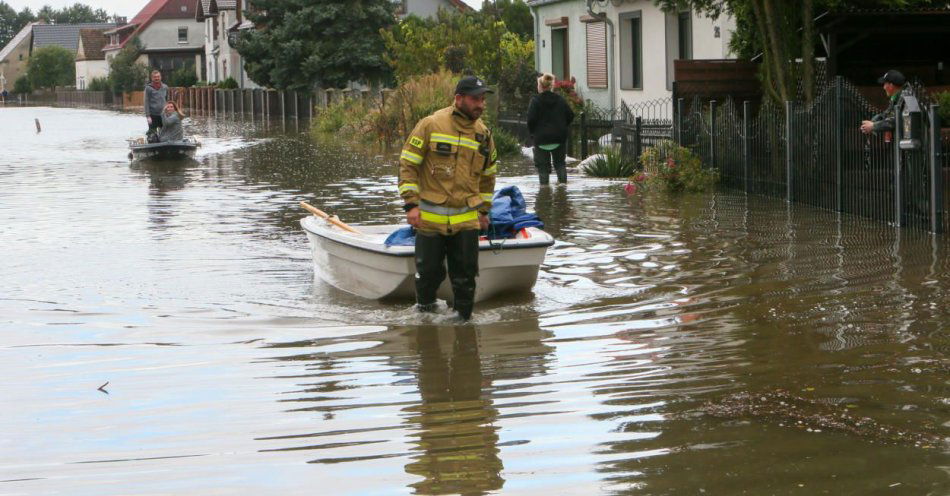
674	168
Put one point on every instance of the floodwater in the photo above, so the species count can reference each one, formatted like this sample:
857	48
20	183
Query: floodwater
705	344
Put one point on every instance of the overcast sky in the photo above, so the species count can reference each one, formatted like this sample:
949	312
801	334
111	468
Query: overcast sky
127	8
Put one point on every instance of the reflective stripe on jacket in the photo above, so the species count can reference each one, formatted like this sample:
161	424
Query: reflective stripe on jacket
449	162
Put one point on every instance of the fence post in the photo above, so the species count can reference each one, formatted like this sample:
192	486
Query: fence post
583	135
746	145
638	145
679	121
712	134
789	195
898	187
936	172
839	145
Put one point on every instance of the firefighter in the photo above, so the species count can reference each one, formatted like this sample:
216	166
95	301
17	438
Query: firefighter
446	180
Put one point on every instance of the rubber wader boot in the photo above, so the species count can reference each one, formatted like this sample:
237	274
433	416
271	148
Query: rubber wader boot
430	269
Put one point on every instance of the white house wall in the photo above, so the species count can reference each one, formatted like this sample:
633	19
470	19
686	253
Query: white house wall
163	34
87	70
659	46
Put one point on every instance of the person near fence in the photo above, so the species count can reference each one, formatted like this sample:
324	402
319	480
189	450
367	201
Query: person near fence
884	122
549	117
154	99
171	129
447	181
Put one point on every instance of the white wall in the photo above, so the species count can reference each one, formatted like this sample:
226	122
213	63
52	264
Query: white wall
427	8
163	34
87	70
659	46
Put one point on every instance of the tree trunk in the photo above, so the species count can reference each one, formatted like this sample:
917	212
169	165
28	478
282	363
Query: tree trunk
777	42
768	57
808	49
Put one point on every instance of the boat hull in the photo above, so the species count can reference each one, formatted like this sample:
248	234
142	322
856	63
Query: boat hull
175	150
369	269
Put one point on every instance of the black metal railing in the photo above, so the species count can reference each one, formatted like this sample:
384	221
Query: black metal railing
815	154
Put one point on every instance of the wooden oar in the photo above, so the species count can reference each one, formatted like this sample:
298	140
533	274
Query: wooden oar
332	219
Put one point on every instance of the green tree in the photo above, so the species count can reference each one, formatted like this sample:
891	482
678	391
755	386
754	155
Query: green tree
11	21
302	43
125	72
514	13
183	77
52	66
77	13
22	85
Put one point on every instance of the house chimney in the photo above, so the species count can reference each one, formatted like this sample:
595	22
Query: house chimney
240	11
121	21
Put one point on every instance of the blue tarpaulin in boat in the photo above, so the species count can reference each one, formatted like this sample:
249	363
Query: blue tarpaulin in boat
508	216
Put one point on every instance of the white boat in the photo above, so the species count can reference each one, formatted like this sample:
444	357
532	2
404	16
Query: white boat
167	150
361	263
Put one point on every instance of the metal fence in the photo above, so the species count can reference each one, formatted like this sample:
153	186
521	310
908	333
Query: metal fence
632	127
815	154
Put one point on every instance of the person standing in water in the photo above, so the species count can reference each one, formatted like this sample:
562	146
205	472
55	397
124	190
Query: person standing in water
155	97
549	116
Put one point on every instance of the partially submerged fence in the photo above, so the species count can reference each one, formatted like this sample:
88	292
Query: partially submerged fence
816	155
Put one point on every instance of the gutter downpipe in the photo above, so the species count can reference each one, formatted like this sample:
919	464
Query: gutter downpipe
611	88
537	37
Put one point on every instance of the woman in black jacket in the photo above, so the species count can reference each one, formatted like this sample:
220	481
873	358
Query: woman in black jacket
549	116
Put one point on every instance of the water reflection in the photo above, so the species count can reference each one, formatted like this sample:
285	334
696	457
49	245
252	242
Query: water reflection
165	175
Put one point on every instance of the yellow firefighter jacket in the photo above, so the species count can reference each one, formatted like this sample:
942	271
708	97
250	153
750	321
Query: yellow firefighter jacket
447	168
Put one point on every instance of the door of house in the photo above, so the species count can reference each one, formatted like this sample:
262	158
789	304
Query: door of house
559	54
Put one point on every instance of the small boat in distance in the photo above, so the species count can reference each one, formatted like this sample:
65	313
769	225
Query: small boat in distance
167	150
357	260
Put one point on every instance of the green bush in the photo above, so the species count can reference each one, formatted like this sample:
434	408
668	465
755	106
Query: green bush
675	169
52	66
943	99
125	73
99	84
228	84
346	115
183	77
611	163
505	142
22	85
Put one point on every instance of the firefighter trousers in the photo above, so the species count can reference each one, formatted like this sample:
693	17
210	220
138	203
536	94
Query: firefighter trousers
460	250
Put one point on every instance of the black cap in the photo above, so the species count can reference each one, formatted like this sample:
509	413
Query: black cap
471	85
892	76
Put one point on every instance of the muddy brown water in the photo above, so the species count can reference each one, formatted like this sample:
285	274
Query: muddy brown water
189	288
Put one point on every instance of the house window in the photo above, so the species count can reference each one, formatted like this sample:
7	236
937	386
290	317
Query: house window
560	65
214	24
685	31
631	51
596	54
182	35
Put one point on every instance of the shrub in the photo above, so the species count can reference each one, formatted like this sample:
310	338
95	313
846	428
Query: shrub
228	84
22	85
943	99
99	84
612	163
675	169
505	142
567	89
414	99
344	115
125	74
183	77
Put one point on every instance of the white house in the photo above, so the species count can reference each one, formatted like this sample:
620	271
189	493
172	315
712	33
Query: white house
427	8
622	50
90	59
223	21
171	37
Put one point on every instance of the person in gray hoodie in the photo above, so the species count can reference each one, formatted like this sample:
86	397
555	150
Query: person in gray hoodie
156	95
171	123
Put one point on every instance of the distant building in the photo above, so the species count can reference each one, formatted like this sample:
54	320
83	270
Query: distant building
169	33
90	59
427	8
15	55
